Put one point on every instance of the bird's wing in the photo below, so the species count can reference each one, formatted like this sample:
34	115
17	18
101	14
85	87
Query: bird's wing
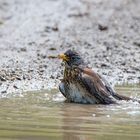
112	92
107	85
96	86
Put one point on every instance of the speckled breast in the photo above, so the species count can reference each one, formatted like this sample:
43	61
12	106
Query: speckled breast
74	90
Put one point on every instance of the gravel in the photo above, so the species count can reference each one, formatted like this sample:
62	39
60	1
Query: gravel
33	33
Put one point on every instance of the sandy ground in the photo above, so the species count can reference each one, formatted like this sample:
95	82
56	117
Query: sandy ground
33	32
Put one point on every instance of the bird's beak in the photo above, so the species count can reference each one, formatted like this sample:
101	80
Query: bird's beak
63	57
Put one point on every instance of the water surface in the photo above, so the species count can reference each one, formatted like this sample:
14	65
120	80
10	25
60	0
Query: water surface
45	116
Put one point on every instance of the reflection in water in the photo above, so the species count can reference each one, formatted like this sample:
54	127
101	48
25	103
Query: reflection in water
41	116
71	124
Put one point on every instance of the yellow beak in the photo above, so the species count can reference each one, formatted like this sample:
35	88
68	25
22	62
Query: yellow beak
63	57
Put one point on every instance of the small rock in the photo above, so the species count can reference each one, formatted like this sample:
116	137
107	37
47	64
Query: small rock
108	48
78	14
120	76
23	49
129	78
2	78
136	43
102	27
130	71
24	77
18	78
4	91
123	63
43	56
47	29
52	56
104	65
12	78
45	66
52	49
52	77
41	70
31	43
55	28
15	87
38	54
58	76
138	77
87	43
135	68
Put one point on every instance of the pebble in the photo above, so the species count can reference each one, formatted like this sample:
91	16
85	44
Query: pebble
102	27
2	78
23	49
4	91
15	87
136	43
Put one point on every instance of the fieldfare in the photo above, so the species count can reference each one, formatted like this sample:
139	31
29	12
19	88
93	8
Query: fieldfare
81	84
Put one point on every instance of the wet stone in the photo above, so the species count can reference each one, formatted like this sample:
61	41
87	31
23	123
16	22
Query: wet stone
23	49
2	78
52	77
31	43
4	91
102	27
138	77
55	28
45	66
104	65
15	86
130	71
123	63
41	70
52	57
52	49
51	28
129	78
18	78
136	44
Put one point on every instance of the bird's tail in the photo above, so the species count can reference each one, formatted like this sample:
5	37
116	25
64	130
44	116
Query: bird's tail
122	97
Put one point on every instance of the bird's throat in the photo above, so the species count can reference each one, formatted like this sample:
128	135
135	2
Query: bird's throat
70	73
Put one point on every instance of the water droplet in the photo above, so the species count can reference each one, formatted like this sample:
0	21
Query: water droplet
108	116
94	115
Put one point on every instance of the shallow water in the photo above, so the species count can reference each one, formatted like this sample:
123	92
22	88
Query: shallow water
44	115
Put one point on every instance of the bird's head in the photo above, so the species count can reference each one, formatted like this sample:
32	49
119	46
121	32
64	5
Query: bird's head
71	58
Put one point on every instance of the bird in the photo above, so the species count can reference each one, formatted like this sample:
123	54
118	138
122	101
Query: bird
81	84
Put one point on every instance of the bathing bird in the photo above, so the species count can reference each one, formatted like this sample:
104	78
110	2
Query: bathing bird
80	84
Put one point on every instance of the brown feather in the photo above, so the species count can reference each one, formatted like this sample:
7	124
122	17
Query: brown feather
98	80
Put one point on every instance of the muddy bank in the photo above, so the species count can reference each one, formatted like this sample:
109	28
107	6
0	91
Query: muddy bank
32	33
